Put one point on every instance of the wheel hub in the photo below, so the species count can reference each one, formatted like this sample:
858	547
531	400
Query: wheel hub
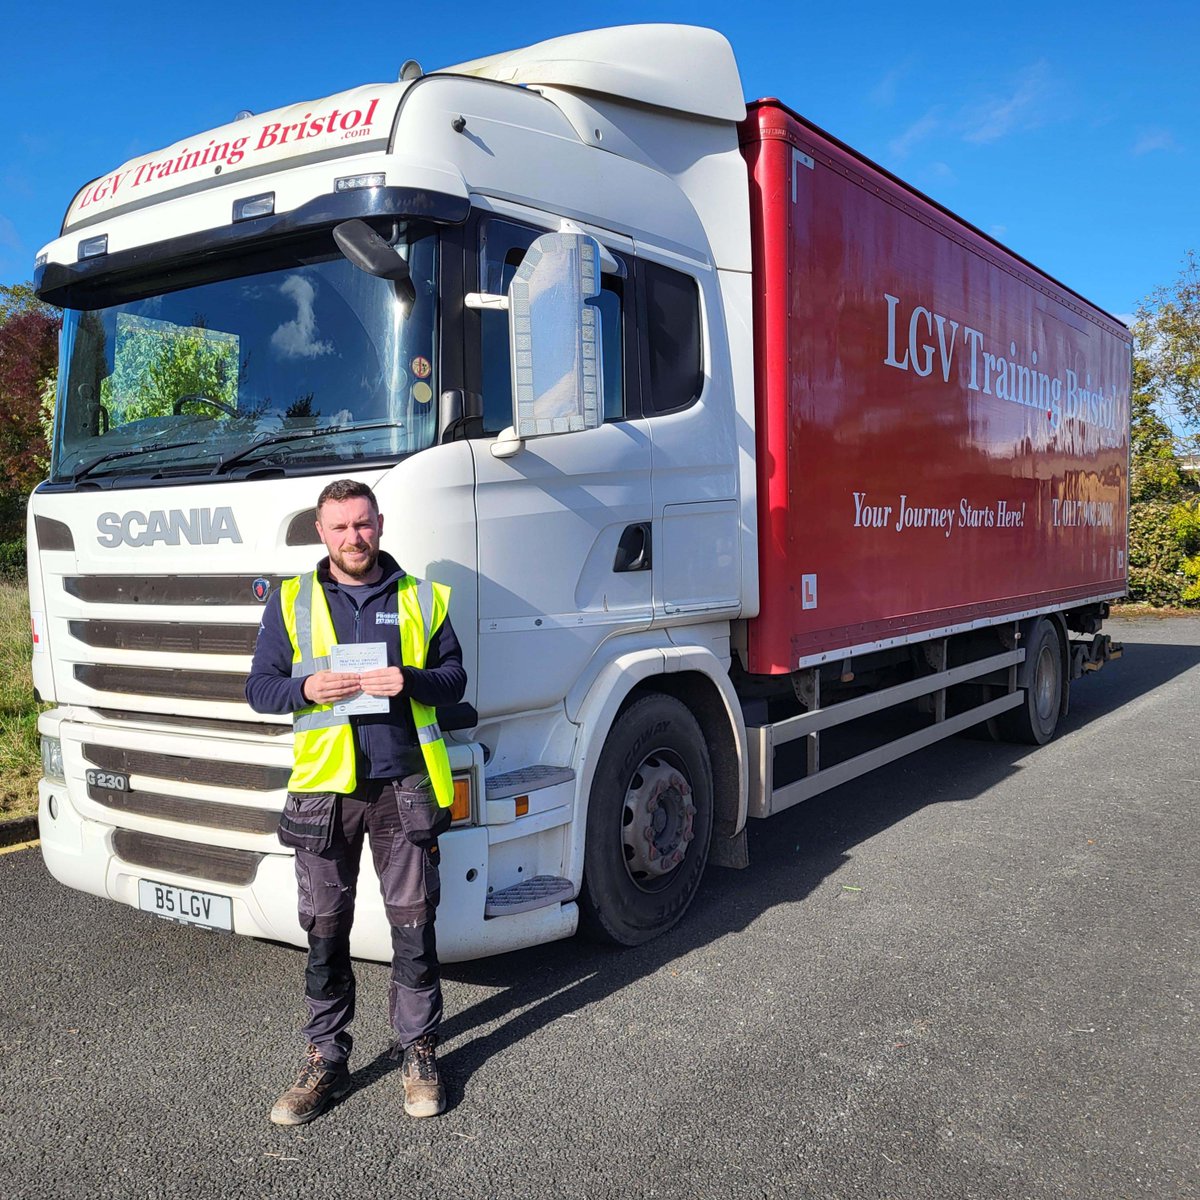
658	820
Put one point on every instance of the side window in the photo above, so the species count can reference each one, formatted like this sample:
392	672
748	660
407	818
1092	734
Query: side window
672	333
502	246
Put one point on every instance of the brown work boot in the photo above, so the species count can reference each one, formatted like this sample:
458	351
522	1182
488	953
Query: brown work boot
318	1085
424	1095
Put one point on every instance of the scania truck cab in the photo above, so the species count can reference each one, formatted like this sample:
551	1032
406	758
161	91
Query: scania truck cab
513	297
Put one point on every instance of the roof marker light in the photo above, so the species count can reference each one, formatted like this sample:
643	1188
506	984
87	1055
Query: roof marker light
254	206
93	247
349	183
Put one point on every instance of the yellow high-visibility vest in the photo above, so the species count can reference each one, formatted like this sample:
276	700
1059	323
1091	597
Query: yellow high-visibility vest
324	759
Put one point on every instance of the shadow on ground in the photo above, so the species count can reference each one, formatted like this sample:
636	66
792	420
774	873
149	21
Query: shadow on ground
790	855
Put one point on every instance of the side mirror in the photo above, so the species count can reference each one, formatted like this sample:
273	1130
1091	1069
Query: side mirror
369	252
554	340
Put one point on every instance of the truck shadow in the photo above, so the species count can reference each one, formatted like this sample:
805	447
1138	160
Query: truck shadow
790	855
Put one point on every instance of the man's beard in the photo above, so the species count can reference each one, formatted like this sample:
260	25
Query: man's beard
359	568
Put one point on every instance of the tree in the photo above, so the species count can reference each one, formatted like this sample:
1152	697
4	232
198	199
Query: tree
1155	473
19	298
28	356
1164	516
1167	343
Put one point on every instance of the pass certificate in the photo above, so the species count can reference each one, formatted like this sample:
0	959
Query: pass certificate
354	659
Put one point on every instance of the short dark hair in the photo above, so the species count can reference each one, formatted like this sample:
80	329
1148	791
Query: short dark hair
346	489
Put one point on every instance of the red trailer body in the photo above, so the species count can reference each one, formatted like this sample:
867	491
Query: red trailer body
943	430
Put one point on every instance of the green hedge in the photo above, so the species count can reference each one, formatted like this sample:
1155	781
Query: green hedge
1164	552
12	560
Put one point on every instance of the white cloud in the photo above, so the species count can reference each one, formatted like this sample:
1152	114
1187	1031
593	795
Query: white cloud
9	238
1155	139
921	129
1027	103
1024	106
884	92
298	338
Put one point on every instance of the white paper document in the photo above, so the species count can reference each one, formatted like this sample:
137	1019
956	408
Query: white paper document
355	659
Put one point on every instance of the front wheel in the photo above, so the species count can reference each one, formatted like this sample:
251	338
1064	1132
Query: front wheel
649	823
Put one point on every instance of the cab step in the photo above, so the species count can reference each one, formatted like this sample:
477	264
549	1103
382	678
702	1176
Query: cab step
526	779
539	892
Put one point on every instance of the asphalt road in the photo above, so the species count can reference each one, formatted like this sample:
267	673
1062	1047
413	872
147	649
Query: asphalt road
970	975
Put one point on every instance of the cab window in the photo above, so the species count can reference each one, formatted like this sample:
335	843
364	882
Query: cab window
502	246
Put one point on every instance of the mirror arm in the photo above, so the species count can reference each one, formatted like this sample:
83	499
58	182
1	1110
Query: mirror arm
507	443
486	301
608	264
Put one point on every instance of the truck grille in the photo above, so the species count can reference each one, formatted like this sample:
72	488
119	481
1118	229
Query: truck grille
210	724
187	810
215	863
159	681
168	637
185	769
168	589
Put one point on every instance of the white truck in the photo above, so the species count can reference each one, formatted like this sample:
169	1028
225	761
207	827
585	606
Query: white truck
527	299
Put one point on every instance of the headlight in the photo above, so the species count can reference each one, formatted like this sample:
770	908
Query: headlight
52	760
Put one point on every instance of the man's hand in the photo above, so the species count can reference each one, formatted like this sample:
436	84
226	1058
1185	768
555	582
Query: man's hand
383	681
325	687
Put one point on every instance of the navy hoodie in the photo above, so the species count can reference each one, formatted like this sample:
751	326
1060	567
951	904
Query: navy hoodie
386	743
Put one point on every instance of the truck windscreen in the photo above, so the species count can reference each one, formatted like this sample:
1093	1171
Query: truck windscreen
313	364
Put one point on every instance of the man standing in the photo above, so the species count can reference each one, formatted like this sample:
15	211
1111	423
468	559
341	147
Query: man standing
380	769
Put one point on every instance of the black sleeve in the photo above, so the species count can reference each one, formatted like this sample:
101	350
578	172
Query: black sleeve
270	687
443	680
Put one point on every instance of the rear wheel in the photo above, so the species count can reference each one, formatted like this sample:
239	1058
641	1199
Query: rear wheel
1035	720
649	823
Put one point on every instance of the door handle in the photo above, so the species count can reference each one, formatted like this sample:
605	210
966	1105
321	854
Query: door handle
633	550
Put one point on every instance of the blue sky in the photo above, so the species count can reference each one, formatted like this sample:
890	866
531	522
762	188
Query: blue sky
1069	131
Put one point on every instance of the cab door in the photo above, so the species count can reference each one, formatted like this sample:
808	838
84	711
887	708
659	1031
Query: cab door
564	524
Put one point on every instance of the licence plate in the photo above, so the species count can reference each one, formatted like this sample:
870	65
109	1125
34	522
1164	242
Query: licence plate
107	779
184	905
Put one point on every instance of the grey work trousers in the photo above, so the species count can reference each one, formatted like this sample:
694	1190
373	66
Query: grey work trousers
409	881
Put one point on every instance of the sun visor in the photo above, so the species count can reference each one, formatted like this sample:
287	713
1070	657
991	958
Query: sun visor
681	68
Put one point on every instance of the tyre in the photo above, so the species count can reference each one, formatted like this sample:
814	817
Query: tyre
649	823
1035	720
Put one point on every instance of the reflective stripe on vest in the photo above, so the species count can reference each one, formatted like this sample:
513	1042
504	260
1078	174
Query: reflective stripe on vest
323	754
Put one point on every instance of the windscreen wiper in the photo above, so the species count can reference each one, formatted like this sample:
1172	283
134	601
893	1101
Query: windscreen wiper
84	471
299	435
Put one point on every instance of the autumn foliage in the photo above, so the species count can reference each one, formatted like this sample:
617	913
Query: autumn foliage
28	355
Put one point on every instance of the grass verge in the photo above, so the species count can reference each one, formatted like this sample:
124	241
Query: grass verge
20	750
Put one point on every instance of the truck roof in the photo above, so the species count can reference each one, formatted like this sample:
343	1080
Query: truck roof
684	68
